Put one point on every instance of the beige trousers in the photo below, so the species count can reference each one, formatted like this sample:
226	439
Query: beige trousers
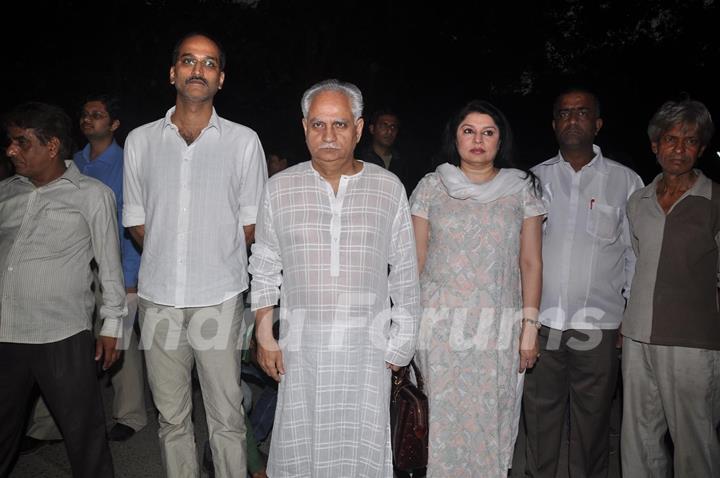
211	338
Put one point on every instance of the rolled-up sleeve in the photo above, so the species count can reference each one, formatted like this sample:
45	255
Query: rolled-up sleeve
133	210
265	260
254	176
404	289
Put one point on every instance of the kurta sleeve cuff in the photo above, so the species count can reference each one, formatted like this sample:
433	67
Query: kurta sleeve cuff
266	270
403	336
266	297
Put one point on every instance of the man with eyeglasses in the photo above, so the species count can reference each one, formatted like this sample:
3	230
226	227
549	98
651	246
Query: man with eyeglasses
102	159
587	268
193	183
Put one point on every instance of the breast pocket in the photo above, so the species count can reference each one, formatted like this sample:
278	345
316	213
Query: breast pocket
604	222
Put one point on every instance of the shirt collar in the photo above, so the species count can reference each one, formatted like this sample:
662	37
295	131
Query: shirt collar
104	157
72	174
314	171
214	120
598	160
701	188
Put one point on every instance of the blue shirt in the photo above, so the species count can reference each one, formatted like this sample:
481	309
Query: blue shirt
108	168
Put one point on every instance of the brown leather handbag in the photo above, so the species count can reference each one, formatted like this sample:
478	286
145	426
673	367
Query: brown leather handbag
408	420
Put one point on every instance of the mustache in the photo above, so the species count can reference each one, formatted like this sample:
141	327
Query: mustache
329	146
196	78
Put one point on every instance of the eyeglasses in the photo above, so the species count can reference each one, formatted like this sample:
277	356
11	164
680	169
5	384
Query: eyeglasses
96	115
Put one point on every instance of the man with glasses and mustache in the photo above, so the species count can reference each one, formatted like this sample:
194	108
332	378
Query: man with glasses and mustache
193	182
587	268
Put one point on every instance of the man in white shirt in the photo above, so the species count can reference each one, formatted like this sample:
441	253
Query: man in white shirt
335	245
587	269
193	182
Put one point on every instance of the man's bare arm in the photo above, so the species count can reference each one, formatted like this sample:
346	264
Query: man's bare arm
249	234
138	234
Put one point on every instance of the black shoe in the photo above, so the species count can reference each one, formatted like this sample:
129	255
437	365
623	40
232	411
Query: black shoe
120	432
29	445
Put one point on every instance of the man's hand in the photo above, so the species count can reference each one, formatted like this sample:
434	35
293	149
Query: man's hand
392	366
270	358
106	350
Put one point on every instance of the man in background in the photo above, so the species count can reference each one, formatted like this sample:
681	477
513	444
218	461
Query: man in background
384	126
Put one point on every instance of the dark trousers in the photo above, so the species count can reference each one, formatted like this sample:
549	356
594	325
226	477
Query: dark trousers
66	374
577	369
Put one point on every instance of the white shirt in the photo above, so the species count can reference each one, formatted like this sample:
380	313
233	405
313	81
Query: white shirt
193	200
588	260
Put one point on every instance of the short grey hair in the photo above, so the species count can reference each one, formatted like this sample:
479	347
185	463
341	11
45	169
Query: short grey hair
348	89
686	111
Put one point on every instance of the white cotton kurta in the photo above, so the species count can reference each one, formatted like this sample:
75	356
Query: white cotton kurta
335	261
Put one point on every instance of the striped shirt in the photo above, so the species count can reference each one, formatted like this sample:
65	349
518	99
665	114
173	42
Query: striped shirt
48	237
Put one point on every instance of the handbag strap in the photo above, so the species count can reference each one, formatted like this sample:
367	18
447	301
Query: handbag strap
418	375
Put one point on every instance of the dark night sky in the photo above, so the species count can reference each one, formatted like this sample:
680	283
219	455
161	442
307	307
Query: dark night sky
424	61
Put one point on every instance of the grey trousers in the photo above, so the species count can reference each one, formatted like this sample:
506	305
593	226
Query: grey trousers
675	389
127	381
577	372
211	338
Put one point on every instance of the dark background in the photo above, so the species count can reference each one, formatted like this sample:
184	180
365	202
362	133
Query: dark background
424	61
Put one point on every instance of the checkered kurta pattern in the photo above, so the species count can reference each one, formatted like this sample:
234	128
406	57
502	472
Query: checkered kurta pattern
336	261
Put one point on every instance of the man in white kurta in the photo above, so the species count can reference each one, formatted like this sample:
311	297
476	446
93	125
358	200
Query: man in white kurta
334	244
